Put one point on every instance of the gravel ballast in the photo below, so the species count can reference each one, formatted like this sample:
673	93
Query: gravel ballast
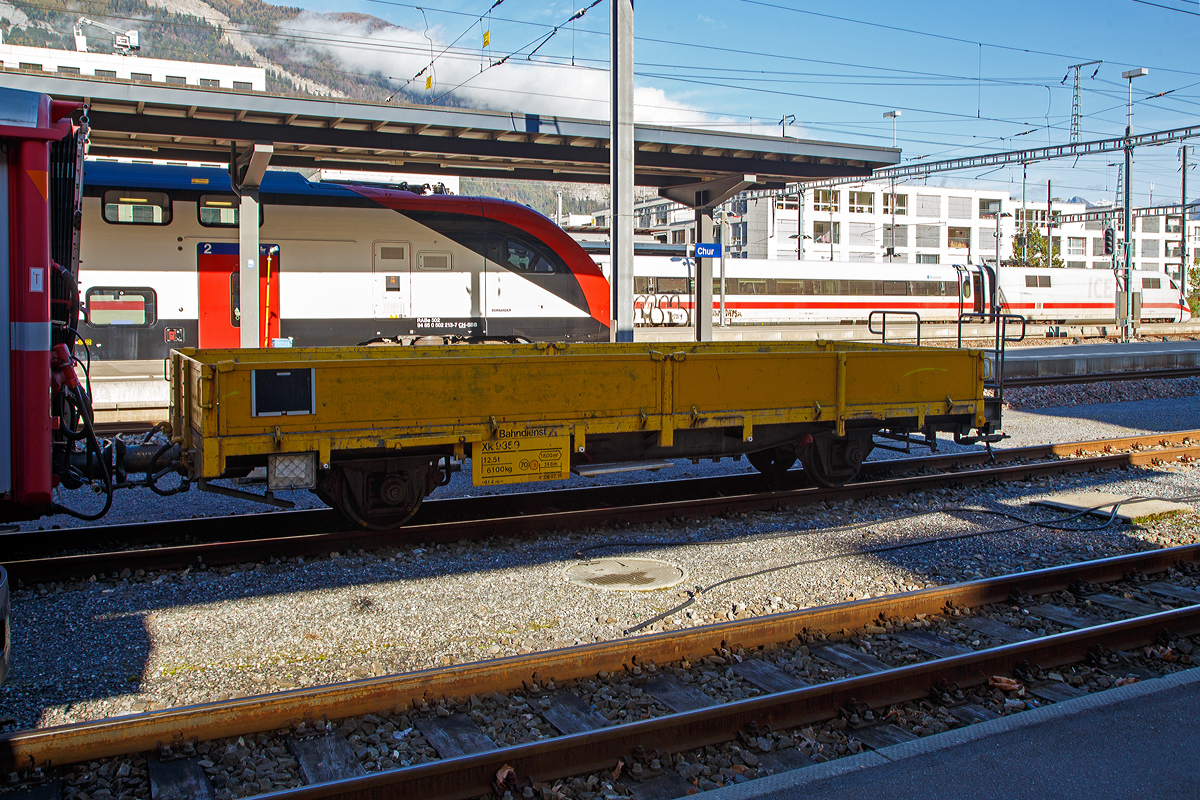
127	643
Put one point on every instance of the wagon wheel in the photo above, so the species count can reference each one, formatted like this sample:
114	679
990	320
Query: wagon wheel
773	463
819	474
837	462
394	498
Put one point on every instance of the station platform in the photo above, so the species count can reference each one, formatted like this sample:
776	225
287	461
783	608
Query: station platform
1086	359
1131	741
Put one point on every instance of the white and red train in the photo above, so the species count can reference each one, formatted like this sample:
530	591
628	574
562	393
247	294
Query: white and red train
770	292
339	265
344	264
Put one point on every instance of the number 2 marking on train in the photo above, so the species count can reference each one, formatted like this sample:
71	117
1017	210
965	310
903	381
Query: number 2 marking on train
207	249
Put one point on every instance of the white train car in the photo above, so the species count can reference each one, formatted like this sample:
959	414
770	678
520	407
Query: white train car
766	292
339	265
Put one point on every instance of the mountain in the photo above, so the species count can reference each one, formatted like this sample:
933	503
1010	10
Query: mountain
291	44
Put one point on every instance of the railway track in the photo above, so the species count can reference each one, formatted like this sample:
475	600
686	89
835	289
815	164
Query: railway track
665	714
211	542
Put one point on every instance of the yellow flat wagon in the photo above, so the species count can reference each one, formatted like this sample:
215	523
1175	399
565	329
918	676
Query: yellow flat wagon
374	429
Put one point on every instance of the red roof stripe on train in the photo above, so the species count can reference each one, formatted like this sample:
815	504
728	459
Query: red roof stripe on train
591	279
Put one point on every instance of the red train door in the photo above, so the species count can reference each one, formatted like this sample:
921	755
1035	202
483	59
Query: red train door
220	294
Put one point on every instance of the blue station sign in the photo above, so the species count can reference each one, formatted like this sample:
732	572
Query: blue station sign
708	250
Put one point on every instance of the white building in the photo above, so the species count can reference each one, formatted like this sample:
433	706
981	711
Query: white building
132	68
921	224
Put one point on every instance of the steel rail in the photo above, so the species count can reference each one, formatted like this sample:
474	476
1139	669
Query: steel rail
235	552
89	741
578	754
259	525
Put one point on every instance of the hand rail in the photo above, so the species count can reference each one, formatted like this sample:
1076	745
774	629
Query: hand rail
1002	338
883	315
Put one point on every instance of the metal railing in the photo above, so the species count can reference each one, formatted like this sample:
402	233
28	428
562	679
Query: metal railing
883	316
1002	338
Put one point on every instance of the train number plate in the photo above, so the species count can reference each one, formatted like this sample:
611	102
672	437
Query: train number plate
519	456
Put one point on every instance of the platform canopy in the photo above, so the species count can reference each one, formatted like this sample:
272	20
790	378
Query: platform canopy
197	124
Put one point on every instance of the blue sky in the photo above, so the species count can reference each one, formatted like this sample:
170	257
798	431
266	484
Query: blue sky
968	78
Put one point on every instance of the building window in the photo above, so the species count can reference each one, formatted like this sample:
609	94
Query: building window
141	76
1097	245
929	236
960	207
68	70
1149	247
1076	246
929	205
1150	224
895	236
110	307
178	79
134	207
1094	225
210	82
895	204
679	236
787	205
28	65
862	202
243	86
928	258
1076	265
860	256
959	237
988	207
106	73
1174	224
827	233
862	234
987	240
1173	250
827	200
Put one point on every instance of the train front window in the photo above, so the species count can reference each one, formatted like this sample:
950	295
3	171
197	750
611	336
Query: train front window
109	306
135	207
524	258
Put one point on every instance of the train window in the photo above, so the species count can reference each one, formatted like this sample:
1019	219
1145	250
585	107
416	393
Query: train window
1151	283
108	306
750	287
434	262
789	287
1037	281
392	253
525	258
895	287
641	285
221	211
966	284
861	287
676	285
135	207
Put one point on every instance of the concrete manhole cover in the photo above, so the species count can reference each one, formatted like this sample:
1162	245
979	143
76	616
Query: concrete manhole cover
625	574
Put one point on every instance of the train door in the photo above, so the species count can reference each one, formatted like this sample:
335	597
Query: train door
220	294
977	293
392	281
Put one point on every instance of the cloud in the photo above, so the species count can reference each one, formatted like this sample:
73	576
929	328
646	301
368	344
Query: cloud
517	85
